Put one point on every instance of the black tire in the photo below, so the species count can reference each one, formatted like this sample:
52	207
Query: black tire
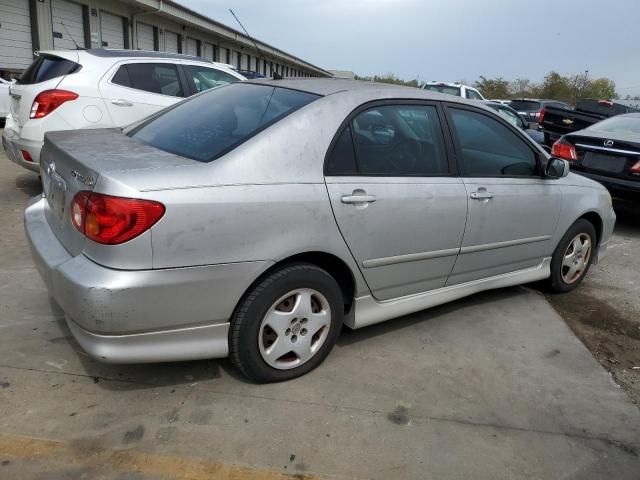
244	351
556	282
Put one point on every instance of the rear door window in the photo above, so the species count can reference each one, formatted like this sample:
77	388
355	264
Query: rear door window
46	67
524	105
159	78
207	126
205	78
393	141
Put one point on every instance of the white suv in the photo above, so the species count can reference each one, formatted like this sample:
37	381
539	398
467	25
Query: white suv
96	88
457	89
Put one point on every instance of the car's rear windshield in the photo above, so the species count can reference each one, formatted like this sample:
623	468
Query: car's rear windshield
46	67
524	105
618	124
443	89
207	126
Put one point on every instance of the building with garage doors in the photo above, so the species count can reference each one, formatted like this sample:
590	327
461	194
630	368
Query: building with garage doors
27	26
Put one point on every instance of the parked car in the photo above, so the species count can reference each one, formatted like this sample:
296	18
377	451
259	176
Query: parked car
513	117
256	219
457	89
556	122
607	152
4	100
531	108
72	89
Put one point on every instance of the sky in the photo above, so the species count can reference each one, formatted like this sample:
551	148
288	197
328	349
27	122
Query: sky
449	40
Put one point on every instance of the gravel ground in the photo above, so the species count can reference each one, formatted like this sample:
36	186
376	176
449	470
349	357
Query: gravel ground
604	312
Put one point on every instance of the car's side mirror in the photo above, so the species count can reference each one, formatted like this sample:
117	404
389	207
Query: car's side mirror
557	168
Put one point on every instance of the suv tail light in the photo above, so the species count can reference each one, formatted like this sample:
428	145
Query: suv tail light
540	116
113	220
636	168
563	149
47	101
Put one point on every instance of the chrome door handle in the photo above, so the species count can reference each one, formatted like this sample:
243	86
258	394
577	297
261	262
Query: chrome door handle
357	198
479	195
122	103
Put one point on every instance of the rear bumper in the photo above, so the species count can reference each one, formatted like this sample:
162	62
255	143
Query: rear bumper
139	316
13	145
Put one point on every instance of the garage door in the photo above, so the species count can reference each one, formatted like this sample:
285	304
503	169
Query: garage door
209	52
145	37
170	42
192	46
68	24
15	34
222	55
112	29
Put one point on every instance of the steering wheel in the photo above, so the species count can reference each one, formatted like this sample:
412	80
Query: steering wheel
405	155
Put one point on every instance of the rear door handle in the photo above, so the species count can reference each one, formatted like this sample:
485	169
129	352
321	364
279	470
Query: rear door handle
122	103
481	195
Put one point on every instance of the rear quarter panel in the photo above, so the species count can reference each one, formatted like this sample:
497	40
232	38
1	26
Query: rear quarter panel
241	223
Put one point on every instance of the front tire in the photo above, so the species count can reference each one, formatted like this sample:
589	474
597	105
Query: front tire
287	324
572	257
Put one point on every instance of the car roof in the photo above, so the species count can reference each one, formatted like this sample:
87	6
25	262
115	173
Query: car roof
372	90
112	53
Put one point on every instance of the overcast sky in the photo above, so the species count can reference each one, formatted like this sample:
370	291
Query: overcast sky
449	40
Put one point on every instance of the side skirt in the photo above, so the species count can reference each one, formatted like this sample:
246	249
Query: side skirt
369	311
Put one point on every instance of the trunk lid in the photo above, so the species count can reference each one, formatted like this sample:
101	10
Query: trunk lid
45	73
101	160
611	156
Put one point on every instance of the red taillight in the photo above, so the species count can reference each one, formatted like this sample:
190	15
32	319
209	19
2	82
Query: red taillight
47	101
113	220
605	103
563	149
636	168
26	155
540	116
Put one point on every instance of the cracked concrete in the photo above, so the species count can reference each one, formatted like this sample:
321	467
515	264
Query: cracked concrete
494	386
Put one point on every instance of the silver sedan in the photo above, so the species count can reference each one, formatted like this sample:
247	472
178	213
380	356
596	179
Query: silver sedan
255	220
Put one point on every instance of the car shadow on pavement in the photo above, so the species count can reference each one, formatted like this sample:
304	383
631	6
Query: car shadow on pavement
29	184
122	377
350	337
627	219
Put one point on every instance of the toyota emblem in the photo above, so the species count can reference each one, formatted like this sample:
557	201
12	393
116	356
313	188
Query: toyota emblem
608	143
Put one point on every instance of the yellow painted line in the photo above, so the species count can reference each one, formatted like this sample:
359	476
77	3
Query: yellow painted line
130	461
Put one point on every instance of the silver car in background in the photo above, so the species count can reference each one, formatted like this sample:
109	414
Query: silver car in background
254	220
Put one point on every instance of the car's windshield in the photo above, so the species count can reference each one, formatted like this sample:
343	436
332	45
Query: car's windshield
620	123
523	105
443	89
207	126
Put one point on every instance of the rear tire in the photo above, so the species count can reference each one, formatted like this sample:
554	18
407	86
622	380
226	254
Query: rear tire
572	257
287	324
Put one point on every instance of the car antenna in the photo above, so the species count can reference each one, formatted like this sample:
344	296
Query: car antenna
276	75
78	47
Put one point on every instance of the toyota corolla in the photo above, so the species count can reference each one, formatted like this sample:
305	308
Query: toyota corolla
256	219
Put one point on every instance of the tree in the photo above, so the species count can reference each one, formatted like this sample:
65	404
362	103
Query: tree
602	88
557	87
493	87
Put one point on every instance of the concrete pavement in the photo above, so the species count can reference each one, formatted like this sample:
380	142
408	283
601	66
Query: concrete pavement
491	387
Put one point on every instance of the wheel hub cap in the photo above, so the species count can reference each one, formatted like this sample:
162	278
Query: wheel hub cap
294	328
576	258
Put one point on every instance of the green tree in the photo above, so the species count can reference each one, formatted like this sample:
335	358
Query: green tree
602	88
493	87
557	87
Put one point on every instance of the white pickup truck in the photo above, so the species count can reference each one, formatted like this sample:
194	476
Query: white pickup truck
457	89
